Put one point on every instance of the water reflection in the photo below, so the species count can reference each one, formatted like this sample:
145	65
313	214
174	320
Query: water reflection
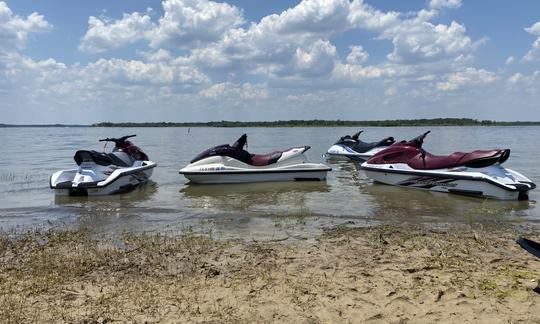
269	196
114	213
125	200
405	204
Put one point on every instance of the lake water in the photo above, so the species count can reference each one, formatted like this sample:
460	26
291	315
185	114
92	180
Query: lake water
252	211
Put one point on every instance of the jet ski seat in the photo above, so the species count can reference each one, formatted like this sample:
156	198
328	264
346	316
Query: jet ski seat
474	159
362	147
265	159
105	159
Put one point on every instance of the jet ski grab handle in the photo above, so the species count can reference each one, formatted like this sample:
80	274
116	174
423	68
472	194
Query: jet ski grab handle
117	140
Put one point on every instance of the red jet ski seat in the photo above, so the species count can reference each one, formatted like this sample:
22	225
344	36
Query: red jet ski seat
474	159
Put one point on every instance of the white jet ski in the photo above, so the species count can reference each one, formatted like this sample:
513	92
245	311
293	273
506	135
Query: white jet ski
477	173
105	173
232	164
353	148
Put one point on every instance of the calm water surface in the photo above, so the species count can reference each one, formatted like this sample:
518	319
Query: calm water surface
252	211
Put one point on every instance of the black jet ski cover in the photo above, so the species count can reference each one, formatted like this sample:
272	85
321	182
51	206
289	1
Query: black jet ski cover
530	246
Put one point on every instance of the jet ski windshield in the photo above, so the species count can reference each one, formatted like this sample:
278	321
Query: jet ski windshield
240	143
417	141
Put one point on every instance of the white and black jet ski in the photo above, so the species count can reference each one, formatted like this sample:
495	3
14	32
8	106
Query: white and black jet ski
105	173
232	164
477	173
353	148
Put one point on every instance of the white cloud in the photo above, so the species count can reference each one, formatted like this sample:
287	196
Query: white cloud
184	24
291	43
467	77
367	17
352	73
161	55
104	34
317	60
188	23
357	55
534	29
390	92
14	29
138	72
510	60
415	39
313	18
439	4
229	90
529	83
288	57
534	53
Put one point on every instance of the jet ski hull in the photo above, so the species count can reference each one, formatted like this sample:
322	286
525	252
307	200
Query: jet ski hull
342	151
315	173
88	180
490	182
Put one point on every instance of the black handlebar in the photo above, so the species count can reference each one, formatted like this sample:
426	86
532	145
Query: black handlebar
117	140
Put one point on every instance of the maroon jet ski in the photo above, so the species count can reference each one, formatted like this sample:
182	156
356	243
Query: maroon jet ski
478	173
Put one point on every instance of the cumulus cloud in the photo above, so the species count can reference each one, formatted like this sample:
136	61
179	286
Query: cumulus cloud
184	24
309	18
138	72
365	16
228	90
188	23
291	43
14	29
510	60
296	42
534	53
353	73
357	55
529	83
439	4
422	41
415	39
317	60
467	77
104	34
289	57
390	92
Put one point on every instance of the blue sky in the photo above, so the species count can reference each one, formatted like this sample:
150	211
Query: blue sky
187	60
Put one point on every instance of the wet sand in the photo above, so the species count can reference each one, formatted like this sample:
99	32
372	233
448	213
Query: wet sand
387	274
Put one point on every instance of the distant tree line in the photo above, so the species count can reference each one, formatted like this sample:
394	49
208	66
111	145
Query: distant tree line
41	125
330	123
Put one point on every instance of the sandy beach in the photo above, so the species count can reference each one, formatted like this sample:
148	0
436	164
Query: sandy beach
387	274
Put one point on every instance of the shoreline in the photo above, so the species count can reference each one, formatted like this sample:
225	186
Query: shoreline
389	273
293	123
